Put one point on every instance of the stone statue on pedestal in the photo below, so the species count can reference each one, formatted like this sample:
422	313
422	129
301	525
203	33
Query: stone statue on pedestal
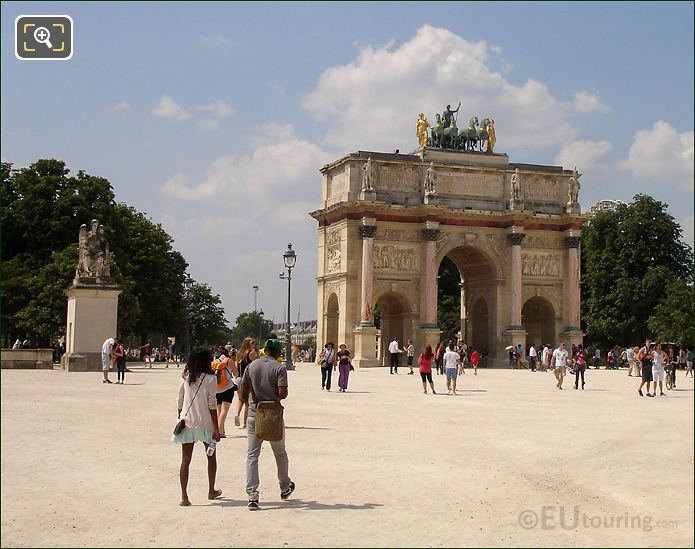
430	180
515	191
94	257
573	190
368	176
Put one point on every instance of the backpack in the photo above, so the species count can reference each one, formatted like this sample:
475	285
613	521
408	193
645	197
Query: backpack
222	374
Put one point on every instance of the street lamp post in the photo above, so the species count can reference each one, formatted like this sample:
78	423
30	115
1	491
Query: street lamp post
260	325
186	345
290	258
255	298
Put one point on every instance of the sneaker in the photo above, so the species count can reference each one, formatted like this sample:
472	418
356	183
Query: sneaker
650	395
287	493
253	505
640	392
662	395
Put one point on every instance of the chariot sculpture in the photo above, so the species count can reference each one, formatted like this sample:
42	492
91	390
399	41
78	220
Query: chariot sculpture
445	134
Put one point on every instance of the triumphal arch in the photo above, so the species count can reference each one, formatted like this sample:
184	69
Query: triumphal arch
388	220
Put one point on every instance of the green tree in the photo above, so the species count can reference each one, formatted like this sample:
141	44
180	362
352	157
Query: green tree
449	299
42	208
672	320
629	256
208	326
251	325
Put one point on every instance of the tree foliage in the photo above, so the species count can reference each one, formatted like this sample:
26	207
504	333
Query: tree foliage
208	326
629	257
449	299
42	208
672	320
251	325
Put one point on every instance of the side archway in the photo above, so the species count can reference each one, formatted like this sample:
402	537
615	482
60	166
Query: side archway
395	321
332	314
538	319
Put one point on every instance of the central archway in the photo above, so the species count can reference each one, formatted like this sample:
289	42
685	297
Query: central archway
477	296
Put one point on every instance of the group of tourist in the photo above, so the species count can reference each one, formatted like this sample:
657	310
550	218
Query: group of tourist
331	361
205	396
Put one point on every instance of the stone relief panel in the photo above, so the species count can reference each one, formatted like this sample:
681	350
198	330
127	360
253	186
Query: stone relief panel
537	188
332	237
542	242
331	288
333	259
403	235
399	178
394	257
470	184
545	265
339	183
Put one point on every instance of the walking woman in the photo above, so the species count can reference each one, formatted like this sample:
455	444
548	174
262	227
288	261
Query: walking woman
245	356
425	360
673	363
579	367
327	360
197	405
119	355
344	366
226	372
439	358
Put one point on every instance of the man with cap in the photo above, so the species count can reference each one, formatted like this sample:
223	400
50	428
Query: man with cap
265	379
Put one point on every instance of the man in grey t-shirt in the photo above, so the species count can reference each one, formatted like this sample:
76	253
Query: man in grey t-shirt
265	379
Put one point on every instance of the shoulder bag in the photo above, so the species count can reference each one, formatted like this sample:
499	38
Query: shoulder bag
181	423
269	424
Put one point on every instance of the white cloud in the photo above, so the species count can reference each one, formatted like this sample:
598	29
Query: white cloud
585	155
168	108
208	124
584	102
214	38
120	106
663	155
372	102
218	108
285	167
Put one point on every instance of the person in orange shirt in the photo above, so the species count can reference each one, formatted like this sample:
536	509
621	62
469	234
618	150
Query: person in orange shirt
475	360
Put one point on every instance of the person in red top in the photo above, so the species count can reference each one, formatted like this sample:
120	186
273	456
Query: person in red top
475	359
426	359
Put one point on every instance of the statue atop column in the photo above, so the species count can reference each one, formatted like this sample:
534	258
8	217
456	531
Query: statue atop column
94	257
430	180
368	176
515	202
574	187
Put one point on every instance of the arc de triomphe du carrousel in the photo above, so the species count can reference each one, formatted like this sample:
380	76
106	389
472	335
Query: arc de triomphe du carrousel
388	220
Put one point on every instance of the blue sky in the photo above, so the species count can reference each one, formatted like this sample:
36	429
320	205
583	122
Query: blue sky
215	117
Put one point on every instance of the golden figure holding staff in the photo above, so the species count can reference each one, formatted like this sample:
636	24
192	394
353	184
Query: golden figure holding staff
421	129
491	138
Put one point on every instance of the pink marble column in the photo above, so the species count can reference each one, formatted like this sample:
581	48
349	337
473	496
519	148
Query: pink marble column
573	276
367	307
515	240
430	279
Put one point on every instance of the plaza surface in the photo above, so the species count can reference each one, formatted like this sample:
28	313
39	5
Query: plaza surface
89	464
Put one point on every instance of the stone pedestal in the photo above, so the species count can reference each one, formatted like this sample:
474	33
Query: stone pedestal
573	208
431	336
516	335
516	205
92	317
368	195
432	199
365	347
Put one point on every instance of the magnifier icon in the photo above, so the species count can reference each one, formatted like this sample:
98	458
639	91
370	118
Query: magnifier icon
43	36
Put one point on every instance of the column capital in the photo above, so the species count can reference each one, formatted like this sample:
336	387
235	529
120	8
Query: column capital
430	234
515	239
367	231
573	241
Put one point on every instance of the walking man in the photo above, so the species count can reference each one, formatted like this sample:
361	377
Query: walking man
560	358
410	354
532	356
394	351
452	360
106	353
265	379
597	358
148	348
